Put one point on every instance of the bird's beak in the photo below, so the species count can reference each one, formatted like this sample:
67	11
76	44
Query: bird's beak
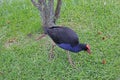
88	49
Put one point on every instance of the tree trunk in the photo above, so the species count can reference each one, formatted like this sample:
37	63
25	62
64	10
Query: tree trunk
47	13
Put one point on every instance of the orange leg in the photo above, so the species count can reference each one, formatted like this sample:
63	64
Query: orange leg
70	59
51	54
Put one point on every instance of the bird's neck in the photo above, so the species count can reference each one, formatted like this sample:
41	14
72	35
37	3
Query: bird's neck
82	47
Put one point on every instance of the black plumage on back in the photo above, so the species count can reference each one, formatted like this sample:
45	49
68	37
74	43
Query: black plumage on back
63	35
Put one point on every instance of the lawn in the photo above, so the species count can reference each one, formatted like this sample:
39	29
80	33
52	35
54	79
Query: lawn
96	22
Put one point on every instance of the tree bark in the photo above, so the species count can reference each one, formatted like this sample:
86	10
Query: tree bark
57	11
47	14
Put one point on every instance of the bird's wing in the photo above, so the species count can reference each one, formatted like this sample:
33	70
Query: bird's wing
63	35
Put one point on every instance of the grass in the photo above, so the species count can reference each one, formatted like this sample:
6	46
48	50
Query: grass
96	22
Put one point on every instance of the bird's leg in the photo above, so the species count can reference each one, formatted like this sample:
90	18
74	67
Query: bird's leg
51	54
70	59
40	37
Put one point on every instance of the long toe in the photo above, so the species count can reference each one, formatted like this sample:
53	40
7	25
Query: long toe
51	55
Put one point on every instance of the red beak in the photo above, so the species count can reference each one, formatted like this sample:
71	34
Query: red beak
88	49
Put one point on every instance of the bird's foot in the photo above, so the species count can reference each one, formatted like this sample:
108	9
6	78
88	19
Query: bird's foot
51	55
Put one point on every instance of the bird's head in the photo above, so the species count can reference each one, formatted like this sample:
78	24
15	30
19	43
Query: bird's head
85	47
88	48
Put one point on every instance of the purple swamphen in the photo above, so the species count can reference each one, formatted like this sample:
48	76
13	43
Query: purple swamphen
67	39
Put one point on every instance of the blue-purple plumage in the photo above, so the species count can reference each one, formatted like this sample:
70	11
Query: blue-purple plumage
69	47
65	38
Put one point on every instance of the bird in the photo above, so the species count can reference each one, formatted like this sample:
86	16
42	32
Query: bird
66	39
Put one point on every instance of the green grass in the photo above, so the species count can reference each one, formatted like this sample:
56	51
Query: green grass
96	22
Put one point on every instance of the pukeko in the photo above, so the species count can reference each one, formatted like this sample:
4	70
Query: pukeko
67	39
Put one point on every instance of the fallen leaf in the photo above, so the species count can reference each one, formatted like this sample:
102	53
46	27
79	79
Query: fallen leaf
12	40
8	22
103	38
103	61
99	32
